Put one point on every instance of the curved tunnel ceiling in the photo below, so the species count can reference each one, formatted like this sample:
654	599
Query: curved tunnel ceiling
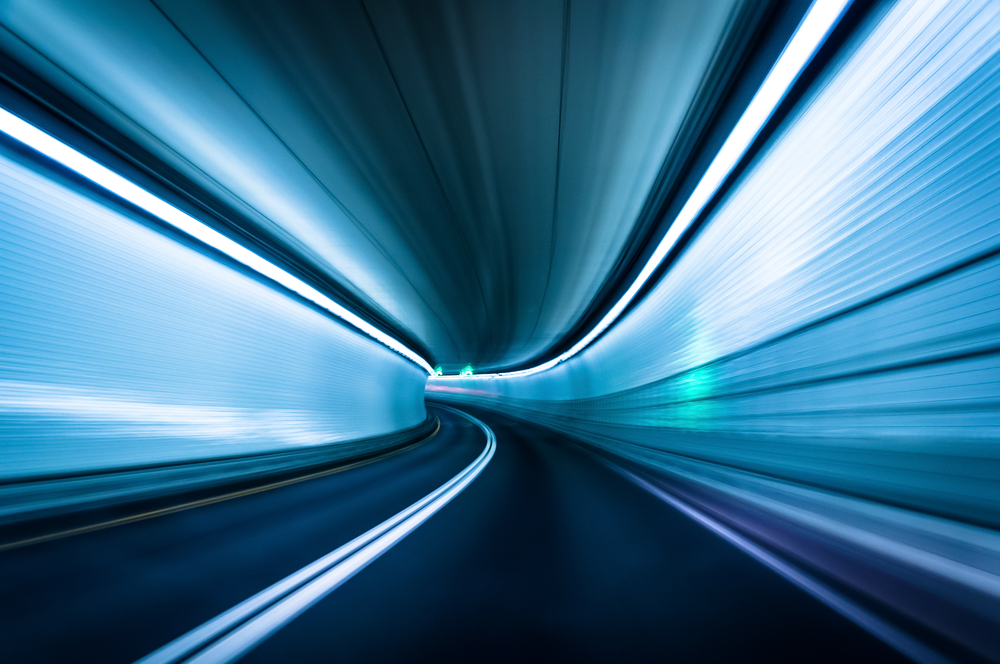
473	170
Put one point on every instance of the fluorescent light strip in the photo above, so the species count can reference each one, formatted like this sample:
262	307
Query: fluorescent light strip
821	18
233	633
83	165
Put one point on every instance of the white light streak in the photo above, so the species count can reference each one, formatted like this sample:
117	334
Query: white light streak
54	149
230	635
821	18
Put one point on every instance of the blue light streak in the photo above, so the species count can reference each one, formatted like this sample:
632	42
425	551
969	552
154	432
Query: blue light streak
51	147
812	32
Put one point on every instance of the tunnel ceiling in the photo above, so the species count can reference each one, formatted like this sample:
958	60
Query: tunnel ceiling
472	170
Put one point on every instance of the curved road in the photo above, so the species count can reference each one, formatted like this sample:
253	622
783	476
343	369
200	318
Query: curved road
547	555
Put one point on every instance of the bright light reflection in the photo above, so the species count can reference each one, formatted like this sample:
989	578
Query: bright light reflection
79	163
821	18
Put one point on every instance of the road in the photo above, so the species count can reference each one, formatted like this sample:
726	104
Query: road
547	555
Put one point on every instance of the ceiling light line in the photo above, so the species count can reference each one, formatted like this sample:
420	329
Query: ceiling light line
51	147
819	21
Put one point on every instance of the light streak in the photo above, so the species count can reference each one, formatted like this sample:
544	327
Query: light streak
857	613
821	18
233	633
36	139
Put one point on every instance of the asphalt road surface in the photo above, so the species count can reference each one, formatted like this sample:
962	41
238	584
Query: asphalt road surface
548	555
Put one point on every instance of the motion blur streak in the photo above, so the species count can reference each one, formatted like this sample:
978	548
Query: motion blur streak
33	137
245	626
809	36
870	621
820	370
438	160
125	348
722	276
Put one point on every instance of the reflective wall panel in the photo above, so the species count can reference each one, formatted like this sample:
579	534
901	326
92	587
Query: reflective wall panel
827	349
123	346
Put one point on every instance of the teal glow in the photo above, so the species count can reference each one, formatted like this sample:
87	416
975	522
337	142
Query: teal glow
695	407
467	371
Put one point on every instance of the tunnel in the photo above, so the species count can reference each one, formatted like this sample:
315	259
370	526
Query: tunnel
499	331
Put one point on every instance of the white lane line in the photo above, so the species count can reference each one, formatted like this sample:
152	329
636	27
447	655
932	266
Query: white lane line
854	612
232	634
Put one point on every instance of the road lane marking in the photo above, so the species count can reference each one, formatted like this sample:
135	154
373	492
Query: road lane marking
232	634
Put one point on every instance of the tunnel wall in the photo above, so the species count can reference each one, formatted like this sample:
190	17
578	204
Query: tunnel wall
124	346
826	351
841	306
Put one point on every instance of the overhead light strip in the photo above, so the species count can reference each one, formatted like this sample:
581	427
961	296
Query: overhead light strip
54	149
812	32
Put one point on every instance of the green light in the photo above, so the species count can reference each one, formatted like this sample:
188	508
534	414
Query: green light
467	371
437	371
